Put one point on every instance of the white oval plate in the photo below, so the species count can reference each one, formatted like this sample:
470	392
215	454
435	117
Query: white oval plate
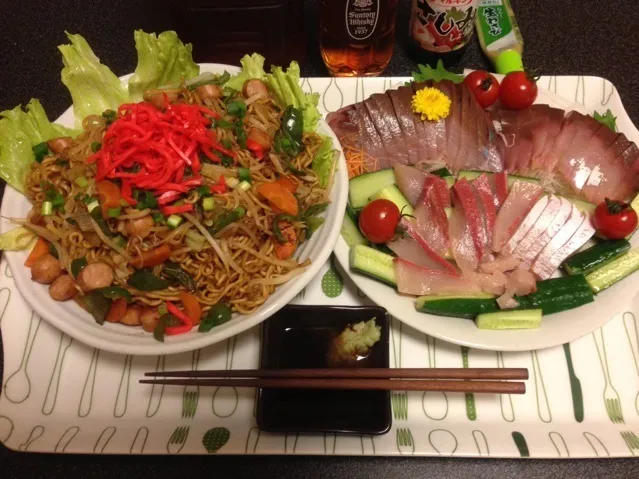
555	329
77	323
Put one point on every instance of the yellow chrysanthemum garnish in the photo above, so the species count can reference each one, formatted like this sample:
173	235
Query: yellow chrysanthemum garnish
431	103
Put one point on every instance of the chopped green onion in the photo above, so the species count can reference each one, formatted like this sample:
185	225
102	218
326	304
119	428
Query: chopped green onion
114	212
93	205
148	201
236	108
232	182
203	191
222	123
123	203
174	221
208	204
47	208
195	240
95	146
162	309
226	143
244	185
81	181
40	151
227	161
56	199
120	241
110	116
244	174
158	217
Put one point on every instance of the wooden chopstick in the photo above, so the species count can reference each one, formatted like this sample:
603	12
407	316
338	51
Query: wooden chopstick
356	373
492	387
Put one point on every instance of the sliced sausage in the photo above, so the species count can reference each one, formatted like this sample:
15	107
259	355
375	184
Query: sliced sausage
58	145
94	276
156	98
63	288
140	226
255	87
149	317
209	92
132	316
46	269
261	138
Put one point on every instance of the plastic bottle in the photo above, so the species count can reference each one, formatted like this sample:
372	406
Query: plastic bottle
499	35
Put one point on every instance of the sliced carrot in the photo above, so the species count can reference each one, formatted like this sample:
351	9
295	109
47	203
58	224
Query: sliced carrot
40	249
191	306
116	311
109	196
279	197
152	257
287	184
286	250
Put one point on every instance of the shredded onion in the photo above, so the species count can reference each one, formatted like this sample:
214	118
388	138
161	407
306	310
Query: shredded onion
108	242
39	230
215	171
226	259
279	279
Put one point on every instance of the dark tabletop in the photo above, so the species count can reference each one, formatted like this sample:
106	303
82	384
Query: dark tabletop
589	37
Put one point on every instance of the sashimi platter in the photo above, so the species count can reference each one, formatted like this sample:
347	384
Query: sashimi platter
488	226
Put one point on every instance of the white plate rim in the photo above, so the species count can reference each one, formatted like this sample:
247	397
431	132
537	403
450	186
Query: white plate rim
84	331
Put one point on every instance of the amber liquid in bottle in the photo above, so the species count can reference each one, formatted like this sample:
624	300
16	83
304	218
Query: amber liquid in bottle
357	36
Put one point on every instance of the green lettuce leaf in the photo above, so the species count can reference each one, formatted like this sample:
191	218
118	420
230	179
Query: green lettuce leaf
162	59
93	87
436	74
17	239
324	161
20	130
607	119
286	87
252	67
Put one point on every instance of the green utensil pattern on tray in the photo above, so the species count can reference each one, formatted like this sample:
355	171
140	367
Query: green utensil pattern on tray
630	326
575	387
191	394
214	439
631	440
541	396
177	440
611	397
405	441
520	442
471	409
332	282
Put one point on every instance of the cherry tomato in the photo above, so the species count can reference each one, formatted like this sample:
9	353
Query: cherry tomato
378	221
517	91
614	219
484	86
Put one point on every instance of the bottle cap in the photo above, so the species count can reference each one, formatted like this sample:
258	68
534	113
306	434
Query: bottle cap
509	61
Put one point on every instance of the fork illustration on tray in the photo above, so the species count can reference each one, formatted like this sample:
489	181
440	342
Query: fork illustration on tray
178	440
191	394
405	441
632	333
631	440
611	397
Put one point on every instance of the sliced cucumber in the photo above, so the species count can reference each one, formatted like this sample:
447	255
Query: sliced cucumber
517	319
470	175
350	232
596	256
614	271
634	204
362	187
351	213
460	306
373	263
450	180
512	179
443	172
558	294
392	193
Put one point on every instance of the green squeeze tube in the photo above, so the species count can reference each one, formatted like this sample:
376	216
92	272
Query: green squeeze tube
499	35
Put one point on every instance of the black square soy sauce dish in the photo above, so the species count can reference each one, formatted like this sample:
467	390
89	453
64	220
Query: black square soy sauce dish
297	337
